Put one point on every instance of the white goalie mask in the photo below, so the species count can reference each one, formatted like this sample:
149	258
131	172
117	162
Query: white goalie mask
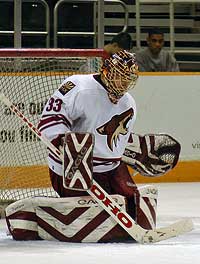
120	73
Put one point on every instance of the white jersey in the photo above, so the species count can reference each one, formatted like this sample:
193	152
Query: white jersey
81	104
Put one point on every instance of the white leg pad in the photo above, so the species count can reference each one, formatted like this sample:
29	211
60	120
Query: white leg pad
76	219
22	220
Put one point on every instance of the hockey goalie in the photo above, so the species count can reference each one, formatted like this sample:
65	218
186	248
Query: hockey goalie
90	119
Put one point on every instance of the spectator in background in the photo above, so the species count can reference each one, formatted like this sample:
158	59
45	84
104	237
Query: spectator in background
121	41
154	58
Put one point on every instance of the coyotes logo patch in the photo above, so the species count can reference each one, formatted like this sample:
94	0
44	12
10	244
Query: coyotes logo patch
66	87
116	126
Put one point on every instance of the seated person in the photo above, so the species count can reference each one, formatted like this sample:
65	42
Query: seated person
121	41
154	58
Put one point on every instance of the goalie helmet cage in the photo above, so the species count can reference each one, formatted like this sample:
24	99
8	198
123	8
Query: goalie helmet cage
28	77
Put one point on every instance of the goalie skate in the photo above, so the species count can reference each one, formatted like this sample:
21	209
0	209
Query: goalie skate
77	163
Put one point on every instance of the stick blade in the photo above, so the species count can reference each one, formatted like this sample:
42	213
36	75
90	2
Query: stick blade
173	230
78	167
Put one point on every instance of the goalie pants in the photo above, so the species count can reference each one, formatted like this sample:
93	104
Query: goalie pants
117	181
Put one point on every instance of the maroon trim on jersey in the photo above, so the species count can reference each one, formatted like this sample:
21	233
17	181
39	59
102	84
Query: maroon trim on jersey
57	142
106	163
106	159
54	158
53	124
53	120
103	161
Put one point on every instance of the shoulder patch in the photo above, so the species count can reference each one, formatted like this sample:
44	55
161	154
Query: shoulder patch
66	87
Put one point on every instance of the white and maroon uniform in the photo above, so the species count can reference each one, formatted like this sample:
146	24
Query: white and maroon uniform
81	104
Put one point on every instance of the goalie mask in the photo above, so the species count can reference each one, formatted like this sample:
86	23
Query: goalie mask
120	73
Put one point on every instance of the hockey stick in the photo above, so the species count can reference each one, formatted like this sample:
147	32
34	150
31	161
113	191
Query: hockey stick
138	233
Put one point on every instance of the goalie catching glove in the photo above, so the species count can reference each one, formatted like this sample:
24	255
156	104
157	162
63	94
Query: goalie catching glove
152	154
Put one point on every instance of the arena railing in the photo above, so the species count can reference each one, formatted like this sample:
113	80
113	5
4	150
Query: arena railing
17	31
100	20
171	3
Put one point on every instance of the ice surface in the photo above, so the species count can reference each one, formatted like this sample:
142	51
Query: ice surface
175	201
